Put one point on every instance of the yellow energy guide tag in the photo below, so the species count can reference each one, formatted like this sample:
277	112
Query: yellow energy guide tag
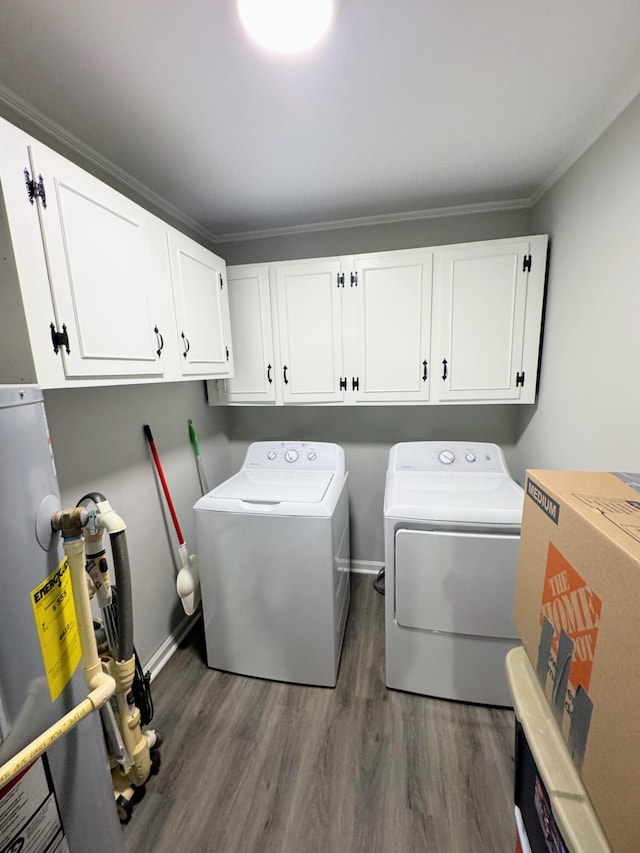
55	614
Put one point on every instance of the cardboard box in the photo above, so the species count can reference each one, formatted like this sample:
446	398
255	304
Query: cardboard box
577	608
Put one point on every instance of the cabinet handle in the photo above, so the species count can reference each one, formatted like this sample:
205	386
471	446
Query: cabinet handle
343	383
187	345
284	371
444	372
355	383
425	374
269	379
160	341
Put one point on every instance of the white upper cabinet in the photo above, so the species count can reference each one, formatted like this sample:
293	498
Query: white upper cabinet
309	300
391	315
97	290
487	311
256	374
97	249
443	325
201	304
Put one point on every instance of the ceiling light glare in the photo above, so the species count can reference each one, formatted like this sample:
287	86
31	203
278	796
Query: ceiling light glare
286	26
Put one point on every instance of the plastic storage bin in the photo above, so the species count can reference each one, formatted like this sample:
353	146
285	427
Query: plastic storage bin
552	810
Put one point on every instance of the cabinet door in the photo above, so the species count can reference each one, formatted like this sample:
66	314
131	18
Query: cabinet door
392	325
202	307
310	322
255	375
98	257
487	303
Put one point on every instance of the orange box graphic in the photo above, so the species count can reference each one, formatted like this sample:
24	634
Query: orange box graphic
569	604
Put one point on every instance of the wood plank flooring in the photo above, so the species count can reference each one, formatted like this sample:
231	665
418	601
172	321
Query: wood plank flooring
251	765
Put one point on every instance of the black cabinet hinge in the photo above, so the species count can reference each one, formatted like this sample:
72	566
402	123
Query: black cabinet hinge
343	383
35	188
520	379
59	339
340	279
354	279
355	383
526	263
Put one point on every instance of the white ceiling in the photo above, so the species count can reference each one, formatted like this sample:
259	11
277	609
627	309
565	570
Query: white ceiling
409	106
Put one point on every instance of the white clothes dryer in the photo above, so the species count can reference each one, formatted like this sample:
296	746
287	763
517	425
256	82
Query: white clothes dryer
273	545
452	517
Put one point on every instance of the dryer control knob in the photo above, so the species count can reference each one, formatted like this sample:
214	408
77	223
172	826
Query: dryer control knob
271	454
446	457
291	455
312	456
470	457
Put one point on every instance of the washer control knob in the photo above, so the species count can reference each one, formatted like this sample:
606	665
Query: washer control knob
271	454
312	456
291	455
446	457
470	457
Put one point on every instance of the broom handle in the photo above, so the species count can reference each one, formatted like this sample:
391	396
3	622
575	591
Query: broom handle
165	488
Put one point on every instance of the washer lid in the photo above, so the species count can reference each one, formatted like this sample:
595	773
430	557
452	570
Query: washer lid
273	487
457	498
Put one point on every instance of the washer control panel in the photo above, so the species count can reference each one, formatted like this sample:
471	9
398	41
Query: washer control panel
433	456
295	456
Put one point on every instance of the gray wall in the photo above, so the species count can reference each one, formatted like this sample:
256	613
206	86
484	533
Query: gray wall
99	445
588	408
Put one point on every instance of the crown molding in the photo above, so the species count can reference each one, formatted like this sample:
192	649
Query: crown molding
383	219
32	121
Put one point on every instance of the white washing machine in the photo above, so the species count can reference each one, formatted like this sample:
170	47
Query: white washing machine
452	518
273	543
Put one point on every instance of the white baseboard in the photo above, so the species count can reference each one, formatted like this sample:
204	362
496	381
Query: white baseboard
365	567
167	649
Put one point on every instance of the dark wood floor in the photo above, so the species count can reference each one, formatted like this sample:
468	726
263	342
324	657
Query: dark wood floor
251	765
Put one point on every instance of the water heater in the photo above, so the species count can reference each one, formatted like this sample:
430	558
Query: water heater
64	800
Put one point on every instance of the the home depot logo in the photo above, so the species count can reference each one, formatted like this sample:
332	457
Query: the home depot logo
571	606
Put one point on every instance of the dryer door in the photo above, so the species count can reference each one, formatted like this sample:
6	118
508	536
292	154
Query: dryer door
461	583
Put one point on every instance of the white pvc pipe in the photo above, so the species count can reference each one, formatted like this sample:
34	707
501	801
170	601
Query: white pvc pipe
101	694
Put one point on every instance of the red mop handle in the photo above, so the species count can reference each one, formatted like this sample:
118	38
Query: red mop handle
165	488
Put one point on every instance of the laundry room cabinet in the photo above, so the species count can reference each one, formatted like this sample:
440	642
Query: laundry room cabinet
309	303
390	304
287	327
98	249
442	325
338	330
487	316
97	290
257	375
201	307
